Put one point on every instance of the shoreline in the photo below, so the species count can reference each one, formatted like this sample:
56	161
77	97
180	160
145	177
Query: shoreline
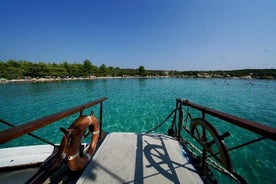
34	80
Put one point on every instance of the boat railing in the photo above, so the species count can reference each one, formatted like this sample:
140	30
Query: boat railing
255	127
27	128
213	150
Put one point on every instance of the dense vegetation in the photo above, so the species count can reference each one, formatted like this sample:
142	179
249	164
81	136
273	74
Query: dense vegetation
25	70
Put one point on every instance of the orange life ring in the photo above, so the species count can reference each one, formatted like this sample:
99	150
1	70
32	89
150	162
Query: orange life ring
73	141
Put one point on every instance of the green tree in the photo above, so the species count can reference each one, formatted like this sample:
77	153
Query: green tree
56	70
76	70
87	67
142	71
13	63
103	70
3	70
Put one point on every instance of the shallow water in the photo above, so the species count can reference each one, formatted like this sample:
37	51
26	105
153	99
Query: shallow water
136	105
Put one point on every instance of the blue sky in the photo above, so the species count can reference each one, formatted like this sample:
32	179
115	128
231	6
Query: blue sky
158	34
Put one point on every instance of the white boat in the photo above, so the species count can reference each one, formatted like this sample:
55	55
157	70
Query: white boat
125	157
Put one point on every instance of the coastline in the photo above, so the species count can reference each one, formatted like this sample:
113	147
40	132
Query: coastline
34	80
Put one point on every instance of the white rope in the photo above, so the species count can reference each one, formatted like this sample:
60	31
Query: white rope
73	156
90	119
97	132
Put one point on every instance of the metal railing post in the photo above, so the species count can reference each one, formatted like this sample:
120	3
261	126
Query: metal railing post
180	120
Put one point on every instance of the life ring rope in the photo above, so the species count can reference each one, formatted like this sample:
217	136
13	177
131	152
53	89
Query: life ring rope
97	132
90	119
72	157
72	141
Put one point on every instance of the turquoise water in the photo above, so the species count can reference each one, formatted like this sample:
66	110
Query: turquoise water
137	105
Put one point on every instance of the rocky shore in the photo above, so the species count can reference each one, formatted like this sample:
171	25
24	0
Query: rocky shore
203	75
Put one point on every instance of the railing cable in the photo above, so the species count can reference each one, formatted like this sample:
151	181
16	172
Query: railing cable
160	124
242	145
23	129
30	134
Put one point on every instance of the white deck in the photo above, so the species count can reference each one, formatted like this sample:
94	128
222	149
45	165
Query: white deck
25	155
139	158
22	156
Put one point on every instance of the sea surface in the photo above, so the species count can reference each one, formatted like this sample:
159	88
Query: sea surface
137	105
